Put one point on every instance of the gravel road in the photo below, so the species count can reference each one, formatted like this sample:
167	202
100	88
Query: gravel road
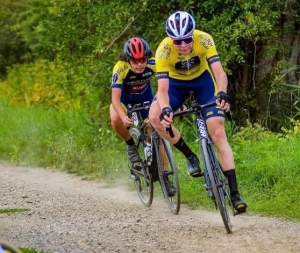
68	214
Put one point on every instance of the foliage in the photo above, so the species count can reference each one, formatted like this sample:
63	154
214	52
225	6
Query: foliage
12	47
68	140
32	26
86	37
268	166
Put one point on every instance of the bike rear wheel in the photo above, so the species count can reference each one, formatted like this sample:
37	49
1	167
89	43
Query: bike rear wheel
8	247
167	169
140	172
217	183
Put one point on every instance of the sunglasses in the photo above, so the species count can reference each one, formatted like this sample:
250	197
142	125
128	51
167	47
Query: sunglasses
187	41
137	61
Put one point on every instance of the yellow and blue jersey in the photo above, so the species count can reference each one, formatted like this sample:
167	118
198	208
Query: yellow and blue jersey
132	83
170	63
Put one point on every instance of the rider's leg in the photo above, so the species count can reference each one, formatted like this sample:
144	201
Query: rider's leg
215	126
177	141
217	132
171	189
123	132
118	125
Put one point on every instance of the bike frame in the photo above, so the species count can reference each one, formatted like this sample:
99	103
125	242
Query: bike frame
215	182
155	166
141	125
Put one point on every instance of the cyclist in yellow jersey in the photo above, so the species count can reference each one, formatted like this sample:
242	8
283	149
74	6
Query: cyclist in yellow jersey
187	60
131	85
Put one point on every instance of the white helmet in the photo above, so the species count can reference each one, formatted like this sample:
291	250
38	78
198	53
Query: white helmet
180	25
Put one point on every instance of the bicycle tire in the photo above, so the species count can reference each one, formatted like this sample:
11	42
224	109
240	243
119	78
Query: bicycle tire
8	247
142	179
217	186
173	202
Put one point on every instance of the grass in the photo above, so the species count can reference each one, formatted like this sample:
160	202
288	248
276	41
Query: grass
267	164
67	141
26	250
14	210
269	171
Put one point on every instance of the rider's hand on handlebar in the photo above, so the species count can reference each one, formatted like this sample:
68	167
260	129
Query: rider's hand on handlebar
127	121
166	116
222	100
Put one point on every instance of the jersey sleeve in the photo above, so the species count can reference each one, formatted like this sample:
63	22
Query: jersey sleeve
119	73
152	64
209	47
162	57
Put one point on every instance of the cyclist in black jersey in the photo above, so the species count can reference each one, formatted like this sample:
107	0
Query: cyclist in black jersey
187	60
131	85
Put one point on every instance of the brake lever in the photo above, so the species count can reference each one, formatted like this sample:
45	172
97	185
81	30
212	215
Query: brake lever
170	131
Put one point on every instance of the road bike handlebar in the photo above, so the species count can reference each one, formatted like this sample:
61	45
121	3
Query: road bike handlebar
137	107
195	107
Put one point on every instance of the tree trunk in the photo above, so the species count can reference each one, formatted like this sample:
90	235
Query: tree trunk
293	76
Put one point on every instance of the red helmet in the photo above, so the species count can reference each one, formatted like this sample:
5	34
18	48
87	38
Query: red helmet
137	48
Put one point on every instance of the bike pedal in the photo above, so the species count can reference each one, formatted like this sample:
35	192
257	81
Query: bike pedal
137	166
134	177
240	211
198	175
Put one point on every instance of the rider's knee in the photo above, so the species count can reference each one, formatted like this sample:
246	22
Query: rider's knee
219	135
217	130
154	115
154	120
115	121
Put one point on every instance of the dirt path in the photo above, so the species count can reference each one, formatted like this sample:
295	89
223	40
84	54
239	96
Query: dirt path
68	214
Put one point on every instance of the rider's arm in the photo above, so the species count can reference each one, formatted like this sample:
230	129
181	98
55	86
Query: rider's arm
163	62
217	69
222	83
220	76
162	92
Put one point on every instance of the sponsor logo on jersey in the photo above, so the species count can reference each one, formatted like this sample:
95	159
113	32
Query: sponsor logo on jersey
151	62
213	59
188	65
162	75
120	70
147	74
164	51
115	78
138	88
207	43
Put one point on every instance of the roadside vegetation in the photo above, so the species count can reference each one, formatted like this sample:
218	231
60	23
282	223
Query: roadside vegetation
267	163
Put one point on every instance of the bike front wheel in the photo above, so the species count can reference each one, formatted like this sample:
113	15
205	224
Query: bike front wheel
140	172
168	174
216	184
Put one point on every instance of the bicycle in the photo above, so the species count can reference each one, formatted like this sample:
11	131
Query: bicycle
8	247
157	161
215	182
